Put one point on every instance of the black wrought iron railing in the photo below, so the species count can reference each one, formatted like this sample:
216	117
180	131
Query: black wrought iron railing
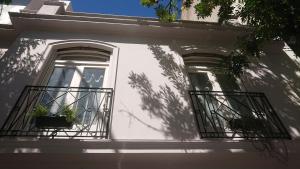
236	115
45	111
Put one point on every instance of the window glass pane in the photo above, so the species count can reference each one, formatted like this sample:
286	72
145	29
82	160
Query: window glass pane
200	81
227	82
89	100
61	77
92	77
55	98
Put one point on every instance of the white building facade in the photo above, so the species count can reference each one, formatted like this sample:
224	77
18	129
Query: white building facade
87	91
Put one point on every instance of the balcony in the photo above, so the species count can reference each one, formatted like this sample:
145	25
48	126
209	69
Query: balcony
67	112
247	115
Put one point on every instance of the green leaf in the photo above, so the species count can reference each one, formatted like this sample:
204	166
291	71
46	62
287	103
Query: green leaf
69	113
6	2
148	3
39	110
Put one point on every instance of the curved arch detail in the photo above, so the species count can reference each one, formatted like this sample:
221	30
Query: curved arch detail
82	42
208	59
51	55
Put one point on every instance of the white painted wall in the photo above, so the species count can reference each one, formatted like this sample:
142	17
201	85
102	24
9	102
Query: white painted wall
146	124
132	116
2	52
153	124
136	112
15	6
31	6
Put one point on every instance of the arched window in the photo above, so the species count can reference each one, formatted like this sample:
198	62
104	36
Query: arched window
79	58
75	73
80	67
221	109
80	79
72	97
207	72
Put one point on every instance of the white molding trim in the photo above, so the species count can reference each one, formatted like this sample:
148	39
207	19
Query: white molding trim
50	58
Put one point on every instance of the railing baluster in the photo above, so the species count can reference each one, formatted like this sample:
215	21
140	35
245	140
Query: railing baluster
250	118
19	122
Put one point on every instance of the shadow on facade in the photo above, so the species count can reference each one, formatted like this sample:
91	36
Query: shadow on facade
276	149
177	117
278	76
2	52
164	103
17	69
122	151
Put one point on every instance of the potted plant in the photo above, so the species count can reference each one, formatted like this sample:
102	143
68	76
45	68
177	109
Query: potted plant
39	111
70	114
43	120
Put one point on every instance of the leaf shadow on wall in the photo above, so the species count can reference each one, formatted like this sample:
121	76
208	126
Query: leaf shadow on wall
17	69
164	103
178	120
277	75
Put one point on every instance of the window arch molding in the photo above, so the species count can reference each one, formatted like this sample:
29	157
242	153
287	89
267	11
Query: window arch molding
51	54
203	59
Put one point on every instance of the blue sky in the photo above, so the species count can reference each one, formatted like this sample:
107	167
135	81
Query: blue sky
116	7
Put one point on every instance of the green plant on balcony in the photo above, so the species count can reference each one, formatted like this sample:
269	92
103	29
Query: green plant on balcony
69	113
63	119
39	110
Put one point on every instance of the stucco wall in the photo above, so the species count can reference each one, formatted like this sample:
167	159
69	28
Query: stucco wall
14	6
151	111
144	65
277	75
150	74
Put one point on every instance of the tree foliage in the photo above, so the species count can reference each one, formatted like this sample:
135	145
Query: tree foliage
268	19
167	11
6	2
